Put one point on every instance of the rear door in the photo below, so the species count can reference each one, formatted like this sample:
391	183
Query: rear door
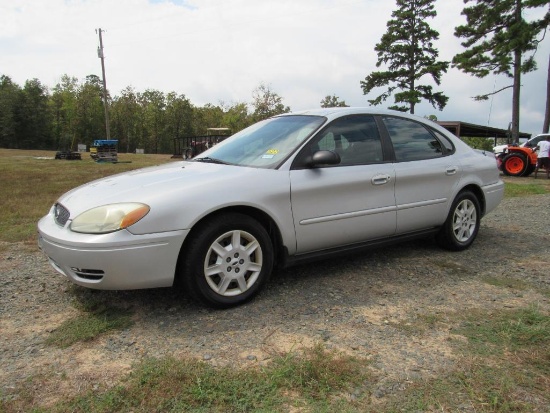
426	174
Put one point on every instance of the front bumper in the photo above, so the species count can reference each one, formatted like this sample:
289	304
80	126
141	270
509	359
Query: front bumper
115	261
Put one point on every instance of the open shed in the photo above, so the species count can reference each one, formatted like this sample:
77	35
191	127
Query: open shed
469	130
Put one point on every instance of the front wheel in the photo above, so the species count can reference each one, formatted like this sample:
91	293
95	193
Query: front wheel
227	261
462	224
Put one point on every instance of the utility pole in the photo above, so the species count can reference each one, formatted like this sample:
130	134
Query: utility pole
101	56
546	124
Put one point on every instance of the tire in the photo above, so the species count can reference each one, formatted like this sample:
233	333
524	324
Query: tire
514	164
462	225
227	261
530	169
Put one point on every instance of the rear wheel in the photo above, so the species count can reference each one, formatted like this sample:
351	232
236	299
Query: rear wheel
515	164
462	224
228	260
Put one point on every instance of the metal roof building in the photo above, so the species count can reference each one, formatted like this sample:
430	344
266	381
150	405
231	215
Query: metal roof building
469	130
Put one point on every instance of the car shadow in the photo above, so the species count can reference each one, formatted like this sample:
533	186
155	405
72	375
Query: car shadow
295	290
296	293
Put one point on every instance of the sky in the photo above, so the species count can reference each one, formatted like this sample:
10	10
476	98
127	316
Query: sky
219	52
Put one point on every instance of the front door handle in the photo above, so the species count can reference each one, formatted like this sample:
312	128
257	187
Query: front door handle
380	179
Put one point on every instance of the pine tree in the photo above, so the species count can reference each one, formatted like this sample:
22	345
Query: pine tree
408	51
498	38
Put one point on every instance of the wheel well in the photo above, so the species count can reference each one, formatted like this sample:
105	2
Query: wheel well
260	216
479	195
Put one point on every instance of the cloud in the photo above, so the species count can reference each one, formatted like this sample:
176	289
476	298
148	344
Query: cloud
214	51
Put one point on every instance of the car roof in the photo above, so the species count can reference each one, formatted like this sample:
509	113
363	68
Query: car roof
332	113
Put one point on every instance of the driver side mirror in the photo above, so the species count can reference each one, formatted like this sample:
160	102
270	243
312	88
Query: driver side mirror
323	158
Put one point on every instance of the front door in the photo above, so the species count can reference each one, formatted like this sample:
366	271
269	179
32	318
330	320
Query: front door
347	203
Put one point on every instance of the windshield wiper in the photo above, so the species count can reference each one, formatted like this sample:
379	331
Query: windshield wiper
207	159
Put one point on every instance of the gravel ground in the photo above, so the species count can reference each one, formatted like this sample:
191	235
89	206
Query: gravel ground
354	304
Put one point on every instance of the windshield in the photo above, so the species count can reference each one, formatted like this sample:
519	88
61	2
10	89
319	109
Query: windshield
265	144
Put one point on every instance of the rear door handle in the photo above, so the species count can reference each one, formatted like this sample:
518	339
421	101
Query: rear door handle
451	170
380	179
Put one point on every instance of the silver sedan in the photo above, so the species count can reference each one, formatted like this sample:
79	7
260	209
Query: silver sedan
286	190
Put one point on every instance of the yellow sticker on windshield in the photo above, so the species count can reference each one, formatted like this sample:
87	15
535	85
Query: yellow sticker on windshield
272	151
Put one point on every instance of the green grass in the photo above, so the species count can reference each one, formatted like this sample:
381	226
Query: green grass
506	331
313	380
507	282
88	326
97	317
419	324
504	366
517	189
31	184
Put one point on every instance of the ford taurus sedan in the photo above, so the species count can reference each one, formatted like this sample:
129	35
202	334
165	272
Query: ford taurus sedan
286	190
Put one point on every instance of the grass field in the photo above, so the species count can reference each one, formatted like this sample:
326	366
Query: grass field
31	181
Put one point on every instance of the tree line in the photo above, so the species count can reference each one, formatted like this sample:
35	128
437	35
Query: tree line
497	39
33	117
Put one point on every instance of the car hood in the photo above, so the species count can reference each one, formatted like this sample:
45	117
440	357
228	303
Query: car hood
132	186
499	148
179	192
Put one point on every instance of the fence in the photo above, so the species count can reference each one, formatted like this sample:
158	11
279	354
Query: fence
190	146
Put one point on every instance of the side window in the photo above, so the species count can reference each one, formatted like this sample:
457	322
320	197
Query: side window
449	147
411	141
354	138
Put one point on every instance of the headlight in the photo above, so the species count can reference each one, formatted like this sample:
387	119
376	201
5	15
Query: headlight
109	218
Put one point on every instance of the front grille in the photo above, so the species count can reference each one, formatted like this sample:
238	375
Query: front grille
61	214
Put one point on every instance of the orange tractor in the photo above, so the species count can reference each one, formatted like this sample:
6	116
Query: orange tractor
517	160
